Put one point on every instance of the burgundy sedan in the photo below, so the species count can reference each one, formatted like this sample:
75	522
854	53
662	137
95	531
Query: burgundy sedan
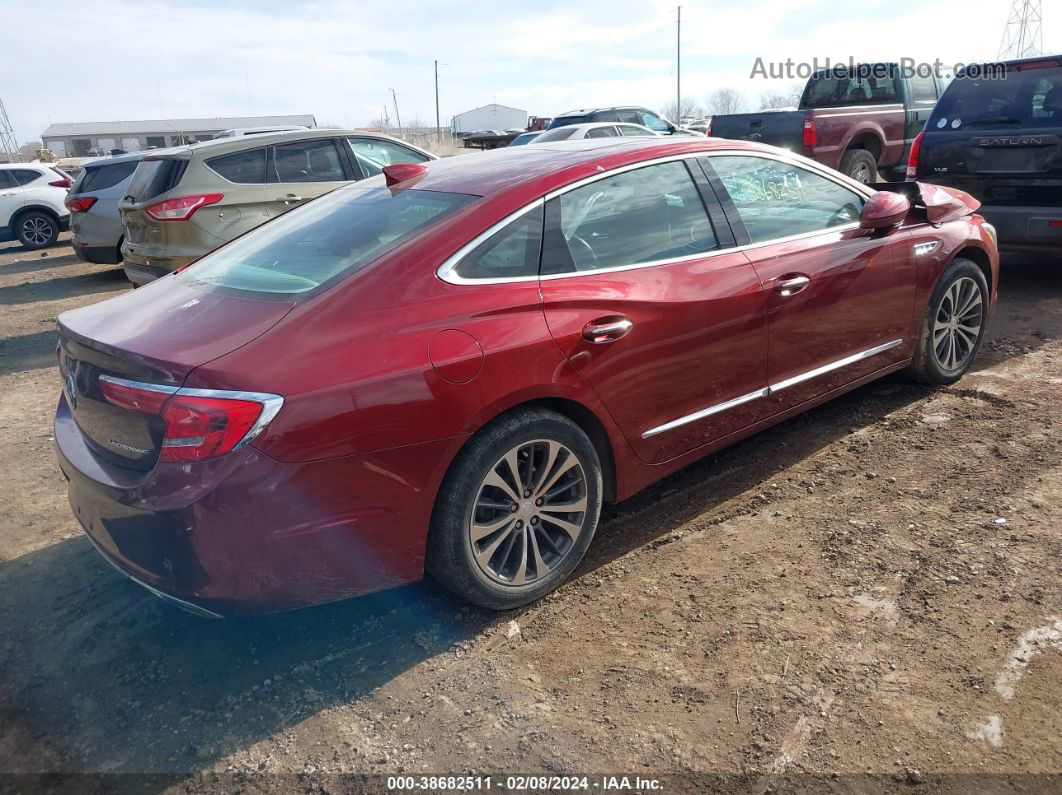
451	366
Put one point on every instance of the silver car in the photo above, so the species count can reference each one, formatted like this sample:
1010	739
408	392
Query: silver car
93	203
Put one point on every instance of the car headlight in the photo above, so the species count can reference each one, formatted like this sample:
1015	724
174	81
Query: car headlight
991	232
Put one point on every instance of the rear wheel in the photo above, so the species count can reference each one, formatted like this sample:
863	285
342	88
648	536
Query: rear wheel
954	325
860	165
36	229
517	510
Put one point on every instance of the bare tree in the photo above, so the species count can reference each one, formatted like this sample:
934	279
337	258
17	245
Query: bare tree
29	149
688	109
726	100
786	98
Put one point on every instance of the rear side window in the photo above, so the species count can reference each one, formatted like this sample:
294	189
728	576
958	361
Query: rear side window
6	180
827	90
24	176
373	154
246	168
512	251
311	246
646	215
922	89
601	132
1029	98
307	161
154	177
105	176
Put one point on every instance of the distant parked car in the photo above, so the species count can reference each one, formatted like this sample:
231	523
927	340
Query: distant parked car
573	132
628	114
231	185
31	203
859	122
93	203
525	138
236	132
699	125
1000	139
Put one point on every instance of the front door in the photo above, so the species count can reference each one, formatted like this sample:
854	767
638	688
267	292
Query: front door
839	298
652	304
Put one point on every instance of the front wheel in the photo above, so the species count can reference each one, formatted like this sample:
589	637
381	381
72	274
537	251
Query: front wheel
860	165
954	325
517	510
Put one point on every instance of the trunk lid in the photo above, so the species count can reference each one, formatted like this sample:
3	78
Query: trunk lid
157	334
777	128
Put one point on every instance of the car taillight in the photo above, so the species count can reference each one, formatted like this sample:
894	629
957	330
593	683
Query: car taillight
200	423
183	208
80	205
65	182
912	158
810	136
708	131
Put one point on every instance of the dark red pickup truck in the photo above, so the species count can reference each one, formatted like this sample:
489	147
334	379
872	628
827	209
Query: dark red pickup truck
859	122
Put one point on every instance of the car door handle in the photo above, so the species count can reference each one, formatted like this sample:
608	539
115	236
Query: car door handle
291	198
789	285
606	329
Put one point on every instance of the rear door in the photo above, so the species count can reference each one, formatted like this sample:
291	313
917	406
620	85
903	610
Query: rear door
650	301
839	298
304	170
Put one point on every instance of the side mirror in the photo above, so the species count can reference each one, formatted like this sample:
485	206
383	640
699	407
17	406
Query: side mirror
884	210
671	128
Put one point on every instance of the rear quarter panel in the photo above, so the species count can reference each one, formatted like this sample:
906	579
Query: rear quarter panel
837	128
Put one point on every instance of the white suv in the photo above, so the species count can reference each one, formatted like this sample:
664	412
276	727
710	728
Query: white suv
32	208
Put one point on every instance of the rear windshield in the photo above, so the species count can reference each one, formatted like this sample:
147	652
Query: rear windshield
98	177
330	237
860	87
1029	98
564	121
154	177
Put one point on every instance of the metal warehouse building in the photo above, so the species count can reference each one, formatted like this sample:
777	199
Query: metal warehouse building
80	139
490	117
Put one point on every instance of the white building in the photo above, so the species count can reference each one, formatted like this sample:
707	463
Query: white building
78	139
490	117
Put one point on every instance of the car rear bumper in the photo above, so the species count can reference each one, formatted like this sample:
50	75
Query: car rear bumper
1025	227
143	268
100	255
246	534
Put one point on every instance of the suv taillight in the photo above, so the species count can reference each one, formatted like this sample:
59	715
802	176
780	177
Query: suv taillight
810	136
79	205
183	208
64	181
200	423
912	158
708	130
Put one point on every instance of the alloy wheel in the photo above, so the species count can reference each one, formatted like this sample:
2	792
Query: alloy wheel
957	325
530	509
36	230
861	174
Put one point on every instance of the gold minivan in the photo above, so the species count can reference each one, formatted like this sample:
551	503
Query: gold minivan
186	201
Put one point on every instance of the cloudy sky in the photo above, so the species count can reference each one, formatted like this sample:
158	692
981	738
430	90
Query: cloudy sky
117	59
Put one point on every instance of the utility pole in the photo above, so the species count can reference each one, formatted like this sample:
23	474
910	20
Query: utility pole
386	121
398	116
438	124
1022	36
678	68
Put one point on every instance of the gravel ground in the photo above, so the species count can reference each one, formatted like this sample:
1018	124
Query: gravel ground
873	587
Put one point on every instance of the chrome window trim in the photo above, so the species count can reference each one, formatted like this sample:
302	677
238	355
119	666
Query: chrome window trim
772	388
447	271
271	404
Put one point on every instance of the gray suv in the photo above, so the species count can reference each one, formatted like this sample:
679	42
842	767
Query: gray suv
93	203
187	201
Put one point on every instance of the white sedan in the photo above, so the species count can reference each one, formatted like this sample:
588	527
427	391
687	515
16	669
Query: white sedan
572	132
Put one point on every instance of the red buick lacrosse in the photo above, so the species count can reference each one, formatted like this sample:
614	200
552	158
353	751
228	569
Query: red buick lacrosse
450	367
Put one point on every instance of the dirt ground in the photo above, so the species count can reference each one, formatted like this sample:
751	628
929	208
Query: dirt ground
873	587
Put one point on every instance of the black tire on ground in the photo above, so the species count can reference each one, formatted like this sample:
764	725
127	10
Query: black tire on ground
860	165
450	555
927	366
36	229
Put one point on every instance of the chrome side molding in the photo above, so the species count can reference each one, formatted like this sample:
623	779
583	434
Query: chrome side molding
772	388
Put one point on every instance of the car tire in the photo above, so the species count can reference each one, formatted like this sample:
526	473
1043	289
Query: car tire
954	325
860	165
36	229
534	546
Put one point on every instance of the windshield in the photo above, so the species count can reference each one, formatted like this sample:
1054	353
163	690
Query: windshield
1026	98
335	235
